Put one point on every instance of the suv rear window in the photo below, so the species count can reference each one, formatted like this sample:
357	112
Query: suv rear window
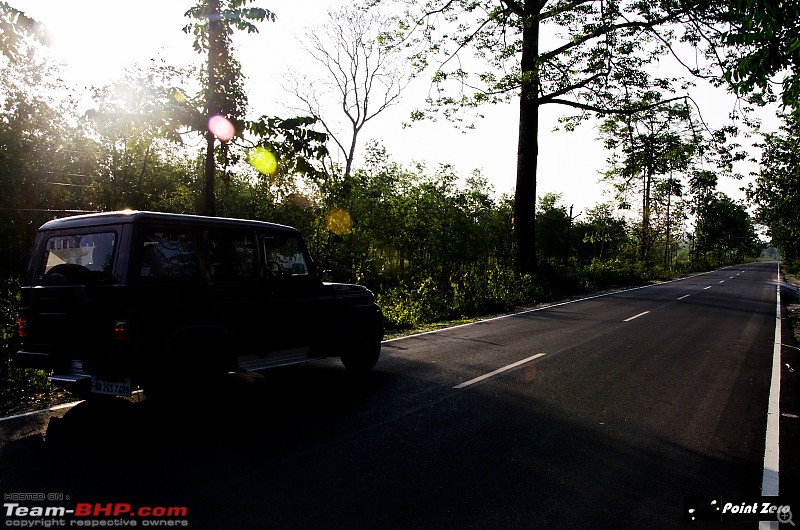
94	251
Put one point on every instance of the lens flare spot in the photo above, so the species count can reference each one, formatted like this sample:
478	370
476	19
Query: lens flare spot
178	96
263	160
338	221
221	127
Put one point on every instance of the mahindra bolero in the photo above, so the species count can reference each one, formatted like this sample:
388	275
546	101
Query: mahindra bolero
120	300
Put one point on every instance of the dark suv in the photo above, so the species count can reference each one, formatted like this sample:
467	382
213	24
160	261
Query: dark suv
120	300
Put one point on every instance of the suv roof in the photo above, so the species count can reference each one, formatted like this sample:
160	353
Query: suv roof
134	216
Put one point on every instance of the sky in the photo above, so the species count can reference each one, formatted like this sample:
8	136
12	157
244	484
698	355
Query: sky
97	39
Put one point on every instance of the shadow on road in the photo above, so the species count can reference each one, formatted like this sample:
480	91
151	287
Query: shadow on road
310	447
242	412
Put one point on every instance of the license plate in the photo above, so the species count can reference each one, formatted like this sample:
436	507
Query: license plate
111	388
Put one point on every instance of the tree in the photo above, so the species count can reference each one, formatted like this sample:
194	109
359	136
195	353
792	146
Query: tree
667	189
214	21
359	69
552	225
46	163
649	150
776	191
15	28
590	56
602	235
761	48
139	126
725	229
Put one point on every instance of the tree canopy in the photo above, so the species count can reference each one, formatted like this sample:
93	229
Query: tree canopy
594	58
776	191
15	27
213	23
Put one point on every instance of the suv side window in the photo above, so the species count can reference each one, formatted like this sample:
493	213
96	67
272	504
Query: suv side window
168	253
232	255
283	257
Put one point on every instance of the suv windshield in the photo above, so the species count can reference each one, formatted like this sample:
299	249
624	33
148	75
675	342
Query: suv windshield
93	251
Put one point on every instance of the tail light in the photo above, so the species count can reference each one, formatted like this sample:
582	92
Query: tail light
122	330
22	327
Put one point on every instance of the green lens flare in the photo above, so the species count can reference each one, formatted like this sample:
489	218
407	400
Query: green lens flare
264	161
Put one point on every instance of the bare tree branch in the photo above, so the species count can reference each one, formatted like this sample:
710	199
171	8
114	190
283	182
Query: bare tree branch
360	70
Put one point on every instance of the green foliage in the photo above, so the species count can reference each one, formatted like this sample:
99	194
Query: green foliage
776	191
15	27
496	290
293	141
18	387
463	295
597	62
763	39
46	163
725	229
791	266
213	22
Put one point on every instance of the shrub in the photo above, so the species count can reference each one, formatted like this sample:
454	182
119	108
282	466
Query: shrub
19	387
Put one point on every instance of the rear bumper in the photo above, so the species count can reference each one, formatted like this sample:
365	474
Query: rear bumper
67	373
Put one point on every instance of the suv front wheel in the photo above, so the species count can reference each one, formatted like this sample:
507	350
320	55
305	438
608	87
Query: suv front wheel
362	355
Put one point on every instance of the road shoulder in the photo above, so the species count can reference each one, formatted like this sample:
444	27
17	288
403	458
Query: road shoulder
790	392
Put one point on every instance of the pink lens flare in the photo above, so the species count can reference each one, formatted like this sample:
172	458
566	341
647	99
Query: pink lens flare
221	127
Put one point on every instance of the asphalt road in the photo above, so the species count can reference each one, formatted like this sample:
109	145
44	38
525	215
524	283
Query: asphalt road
600	413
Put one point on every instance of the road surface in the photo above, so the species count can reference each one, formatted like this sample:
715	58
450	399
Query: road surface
599	413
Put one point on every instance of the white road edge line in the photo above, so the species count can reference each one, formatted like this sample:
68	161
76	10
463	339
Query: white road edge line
636	316
769	482
42	411
499	371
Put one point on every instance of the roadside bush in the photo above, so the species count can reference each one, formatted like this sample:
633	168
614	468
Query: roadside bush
462	295
19	387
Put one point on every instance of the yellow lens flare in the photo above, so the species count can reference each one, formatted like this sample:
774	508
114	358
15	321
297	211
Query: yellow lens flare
221	127
338	221
178	96
264	161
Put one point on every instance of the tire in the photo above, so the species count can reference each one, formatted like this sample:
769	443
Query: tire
91	429
69	274
362	356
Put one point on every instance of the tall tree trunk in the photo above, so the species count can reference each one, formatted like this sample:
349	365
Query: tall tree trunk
212	102
210	203
528	146
668	248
